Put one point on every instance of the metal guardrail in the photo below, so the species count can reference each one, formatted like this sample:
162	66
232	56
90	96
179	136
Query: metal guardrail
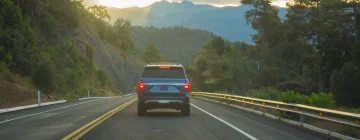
341	117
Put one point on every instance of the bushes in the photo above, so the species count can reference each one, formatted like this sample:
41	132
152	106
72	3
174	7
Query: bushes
225	92
102	77
324	100
268	93
3	69
44	77
289	97
292	85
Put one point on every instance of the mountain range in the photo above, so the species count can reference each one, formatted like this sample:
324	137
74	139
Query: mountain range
228	22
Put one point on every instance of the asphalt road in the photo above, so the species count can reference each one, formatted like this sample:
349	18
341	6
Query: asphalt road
116	118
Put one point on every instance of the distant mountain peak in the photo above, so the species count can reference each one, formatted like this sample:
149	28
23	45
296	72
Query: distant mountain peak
165	1
161	2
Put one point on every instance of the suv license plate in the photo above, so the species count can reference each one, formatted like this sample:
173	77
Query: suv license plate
164	88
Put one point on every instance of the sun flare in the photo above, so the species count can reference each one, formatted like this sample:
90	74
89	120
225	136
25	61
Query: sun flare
127	3
281	3
143	3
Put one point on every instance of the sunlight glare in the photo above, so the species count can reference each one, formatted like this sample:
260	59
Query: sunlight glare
127	3
225	5
281	3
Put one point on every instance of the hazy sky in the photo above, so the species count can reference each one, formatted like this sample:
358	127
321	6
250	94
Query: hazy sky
142	3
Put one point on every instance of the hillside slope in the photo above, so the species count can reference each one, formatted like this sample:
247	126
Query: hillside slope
62	53
108	58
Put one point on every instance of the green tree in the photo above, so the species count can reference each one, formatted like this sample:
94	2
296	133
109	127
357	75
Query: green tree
123	26
152	54
344	84
99	11
44	77
219	45
121	36
16	37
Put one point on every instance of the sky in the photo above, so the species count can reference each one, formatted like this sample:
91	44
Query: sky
143	3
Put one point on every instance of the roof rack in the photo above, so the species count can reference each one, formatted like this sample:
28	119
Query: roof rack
164	63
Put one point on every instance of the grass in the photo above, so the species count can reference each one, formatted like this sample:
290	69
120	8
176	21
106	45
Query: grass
334	127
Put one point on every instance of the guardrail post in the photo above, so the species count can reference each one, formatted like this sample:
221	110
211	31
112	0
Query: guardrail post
302	118
39	101
88	93
219	99
227	101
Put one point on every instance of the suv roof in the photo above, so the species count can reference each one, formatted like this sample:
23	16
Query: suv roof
164	64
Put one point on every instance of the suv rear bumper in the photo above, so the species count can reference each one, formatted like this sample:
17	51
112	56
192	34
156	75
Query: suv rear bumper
164	101
171	102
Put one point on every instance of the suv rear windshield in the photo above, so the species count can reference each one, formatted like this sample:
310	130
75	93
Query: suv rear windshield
156	72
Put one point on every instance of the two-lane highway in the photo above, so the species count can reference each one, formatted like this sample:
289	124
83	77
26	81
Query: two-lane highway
54	121
116	118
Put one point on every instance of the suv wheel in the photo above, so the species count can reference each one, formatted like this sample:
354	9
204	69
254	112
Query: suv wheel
141	111
185	111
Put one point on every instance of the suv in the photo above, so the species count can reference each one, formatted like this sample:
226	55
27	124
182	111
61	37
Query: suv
163	85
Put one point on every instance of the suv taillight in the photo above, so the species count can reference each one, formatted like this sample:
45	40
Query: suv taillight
187	86
140	86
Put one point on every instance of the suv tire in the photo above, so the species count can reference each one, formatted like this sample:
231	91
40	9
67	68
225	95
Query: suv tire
185	111
141	111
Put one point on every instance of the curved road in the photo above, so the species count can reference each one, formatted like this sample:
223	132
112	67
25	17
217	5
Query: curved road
115	118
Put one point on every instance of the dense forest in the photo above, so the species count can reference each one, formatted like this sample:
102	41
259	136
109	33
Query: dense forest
311	57
176	44
65	53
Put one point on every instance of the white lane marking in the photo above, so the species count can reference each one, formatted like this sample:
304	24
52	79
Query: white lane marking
8	120
221	120
263	125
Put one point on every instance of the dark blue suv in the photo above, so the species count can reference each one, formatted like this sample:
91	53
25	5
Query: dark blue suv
163	86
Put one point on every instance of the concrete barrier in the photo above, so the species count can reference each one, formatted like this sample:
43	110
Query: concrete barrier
50	103
93	98
126	95
291	122
29	106
271	116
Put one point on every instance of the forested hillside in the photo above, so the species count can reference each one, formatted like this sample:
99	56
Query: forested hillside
228	22
314	53
176	44
63	53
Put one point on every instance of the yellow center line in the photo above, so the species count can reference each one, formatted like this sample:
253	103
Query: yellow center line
98	119
90	128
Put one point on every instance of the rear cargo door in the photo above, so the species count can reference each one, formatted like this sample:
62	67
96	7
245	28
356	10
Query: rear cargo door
164	79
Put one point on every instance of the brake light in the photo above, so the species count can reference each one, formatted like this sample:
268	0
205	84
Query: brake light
187	86
140	86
